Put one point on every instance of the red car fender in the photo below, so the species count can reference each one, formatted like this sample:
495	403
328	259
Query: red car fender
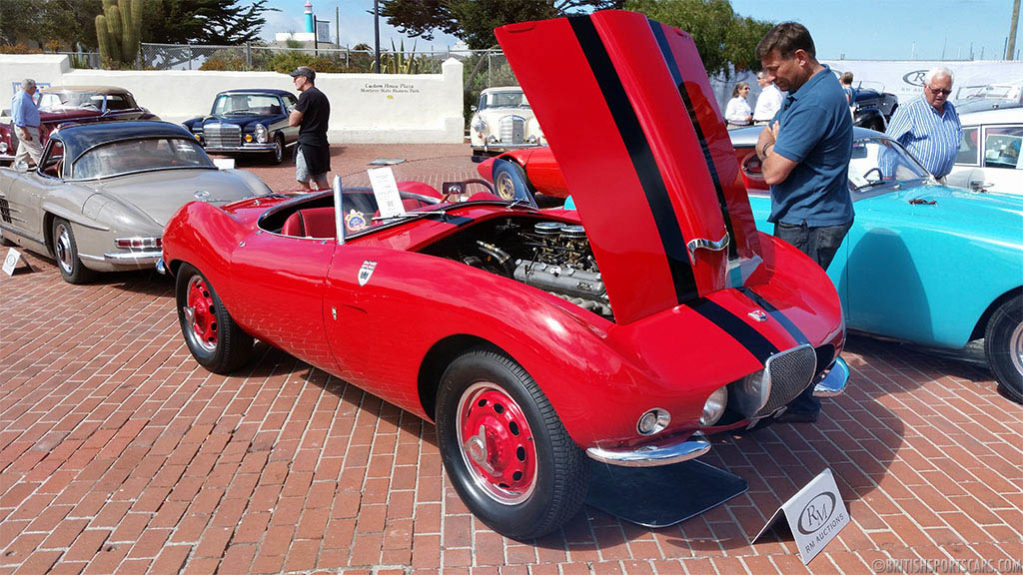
598	384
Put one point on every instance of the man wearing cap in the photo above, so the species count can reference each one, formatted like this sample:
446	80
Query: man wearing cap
25	116
312	114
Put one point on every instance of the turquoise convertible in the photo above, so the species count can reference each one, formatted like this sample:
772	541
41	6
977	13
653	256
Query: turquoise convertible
924	263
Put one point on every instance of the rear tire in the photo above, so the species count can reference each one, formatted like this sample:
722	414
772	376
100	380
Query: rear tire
65	250
507	453
1003	346
214	339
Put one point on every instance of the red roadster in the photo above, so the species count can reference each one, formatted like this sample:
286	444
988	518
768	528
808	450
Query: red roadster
625	332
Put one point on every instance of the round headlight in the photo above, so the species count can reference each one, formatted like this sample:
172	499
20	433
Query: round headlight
261	133
480	126
751	393
653	421
3	147
714	408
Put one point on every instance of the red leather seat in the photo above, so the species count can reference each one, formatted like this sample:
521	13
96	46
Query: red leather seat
310	223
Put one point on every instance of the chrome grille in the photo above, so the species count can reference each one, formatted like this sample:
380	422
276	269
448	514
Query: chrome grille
513	130
790	372
222	135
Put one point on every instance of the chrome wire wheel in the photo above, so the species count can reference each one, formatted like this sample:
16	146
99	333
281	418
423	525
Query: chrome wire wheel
200	314
496	443
65	253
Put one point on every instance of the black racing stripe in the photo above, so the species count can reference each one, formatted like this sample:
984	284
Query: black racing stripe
642	157
751	339
676	75
458	221
780	317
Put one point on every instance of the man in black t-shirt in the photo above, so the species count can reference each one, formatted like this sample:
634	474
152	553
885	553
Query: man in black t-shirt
312	114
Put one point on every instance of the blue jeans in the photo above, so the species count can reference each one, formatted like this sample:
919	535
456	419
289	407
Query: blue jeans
820	244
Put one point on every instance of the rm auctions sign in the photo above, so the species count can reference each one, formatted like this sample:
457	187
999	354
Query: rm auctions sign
815	515
905	78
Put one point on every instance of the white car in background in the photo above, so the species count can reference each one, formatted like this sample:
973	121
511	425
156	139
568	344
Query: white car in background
989	156
503	121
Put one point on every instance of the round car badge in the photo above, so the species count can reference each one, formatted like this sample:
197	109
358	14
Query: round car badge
202	195
758	315
355	221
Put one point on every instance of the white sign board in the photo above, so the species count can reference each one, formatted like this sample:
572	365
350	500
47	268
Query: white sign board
11	261
815	515
223	163
385	189
323	31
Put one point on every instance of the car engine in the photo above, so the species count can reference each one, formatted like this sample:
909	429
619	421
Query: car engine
563	264
548	255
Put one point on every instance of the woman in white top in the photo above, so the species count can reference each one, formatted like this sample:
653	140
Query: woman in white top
738	112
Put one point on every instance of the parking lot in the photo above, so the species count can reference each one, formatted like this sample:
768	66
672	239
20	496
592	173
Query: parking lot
119	454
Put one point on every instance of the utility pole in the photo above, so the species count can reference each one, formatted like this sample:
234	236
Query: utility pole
337	25
376	33
1012	30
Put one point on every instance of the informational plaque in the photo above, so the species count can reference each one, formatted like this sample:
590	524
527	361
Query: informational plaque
11	262
385	189
815	515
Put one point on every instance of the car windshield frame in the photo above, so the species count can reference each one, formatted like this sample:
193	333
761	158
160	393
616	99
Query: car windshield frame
893	159
226	100
177	141
485	101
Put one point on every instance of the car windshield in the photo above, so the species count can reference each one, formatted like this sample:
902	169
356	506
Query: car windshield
503	100
878	161
142	155
246	104
73	100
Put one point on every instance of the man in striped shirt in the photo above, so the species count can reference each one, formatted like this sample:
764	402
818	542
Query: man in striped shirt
929	126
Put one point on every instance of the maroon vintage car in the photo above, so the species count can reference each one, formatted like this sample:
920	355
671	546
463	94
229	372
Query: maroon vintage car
625	332
74	104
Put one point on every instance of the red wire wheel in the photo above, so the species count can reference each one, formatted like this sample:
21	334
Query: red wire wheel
496	443
201	313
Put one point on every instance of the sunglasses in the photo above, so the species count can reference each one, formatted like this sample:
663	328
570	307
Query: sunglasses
940	91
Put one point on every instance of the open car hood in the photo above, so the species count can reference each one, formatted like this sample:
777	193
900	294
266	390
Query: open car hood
633	123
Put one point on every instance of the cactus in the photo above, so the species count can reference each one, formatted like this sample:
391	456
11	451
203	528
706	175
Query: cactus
118	30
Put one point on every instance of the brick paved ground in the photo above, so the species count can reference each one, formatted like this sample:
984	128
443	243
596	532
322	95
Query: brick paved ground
118	454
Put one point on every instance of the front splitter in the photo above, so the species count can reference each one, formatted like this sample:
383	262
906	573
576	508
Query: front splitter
661	496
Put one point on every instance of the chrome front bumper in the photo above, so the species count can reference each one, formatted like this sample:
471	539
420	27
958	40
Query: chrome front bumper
834	382
651	455
267	147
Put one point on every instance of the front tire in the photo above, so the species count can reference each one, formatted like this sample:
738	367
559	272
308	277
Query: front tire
510	181
214	339
65	250
507	453
277	154
1003	346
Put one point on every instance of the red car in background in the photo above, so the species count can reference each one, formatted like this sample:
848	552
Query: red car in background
74	104
624	332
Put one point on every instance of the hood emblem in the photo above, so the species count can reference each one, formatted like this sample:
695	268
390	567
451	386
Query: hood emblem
758	315
202	195
366	271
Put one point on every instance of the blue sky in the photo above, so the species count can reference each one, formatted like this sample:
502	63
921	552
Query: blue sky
859	29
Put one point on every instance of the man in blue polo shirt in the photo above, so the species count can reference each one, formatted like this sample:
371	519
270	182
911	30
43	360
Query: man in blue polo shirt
25	116
804	155
929	126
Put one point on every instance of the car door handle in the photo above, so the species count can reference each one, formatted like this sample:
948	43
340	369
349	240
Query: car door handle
703	243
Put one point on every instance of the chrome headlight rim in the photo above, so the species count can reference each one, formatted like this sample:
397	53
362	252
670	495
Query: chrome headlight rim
715	406
261	133
653	421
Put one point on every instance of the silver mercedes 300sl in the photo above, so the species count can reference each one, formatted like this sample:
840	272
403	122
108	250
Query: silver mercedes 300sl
102	193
